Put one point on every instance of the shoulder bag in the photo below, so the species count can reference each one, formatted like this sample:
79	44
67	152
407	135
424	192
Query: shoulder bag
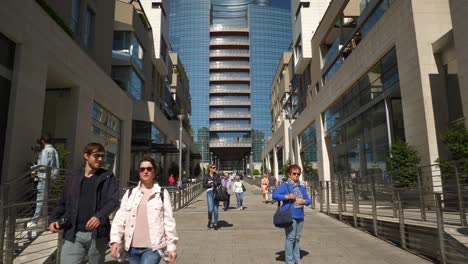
283	218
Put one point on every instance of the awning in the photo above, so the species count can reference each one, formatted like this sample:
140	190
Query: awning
162	148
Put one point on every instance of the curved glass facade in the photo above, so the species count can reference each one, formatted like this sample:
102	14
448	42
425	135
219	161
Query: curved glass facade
220	43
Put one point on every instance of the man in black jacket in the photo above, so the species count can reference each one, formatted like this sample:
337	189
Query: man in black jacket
88	197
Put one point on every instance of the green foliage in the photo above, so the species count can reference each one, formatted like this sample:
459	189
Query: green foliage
309	171
402	164
284	169
456	141
256	172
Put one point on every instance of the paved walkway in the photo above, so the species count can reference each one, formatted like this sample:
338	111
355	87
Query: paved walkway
248	236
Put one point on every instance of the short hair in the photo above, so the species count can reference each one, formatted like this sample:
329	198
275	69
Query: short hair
152	161
45	138
294	166
93	147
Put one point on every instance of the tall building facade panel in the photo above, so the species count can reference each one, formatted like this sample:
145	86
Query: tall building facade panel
270	30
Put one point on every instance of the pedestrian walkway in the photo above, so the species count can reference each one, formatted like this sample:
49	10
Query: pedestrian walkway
248	236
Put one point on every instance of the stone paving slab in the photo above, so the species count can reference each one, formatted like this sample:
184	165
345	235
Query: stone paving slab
248	236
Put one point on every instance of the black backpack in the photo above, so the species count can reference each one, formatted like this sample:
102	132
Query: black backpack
161	194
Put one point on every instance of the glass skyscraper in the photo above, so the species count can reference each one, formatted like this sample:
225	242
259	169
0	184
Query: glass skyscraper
230	49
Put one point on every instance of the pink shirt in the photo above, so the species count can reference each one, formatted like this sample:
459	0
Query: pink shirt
141	237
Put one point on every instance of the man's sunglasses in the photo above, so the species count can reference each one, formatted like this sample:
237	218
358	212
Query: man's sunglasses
149	169
97	156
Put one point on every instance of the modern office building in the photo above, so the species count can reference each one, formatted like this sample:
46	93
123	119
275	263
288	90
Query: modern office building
230	49
381	70
84	71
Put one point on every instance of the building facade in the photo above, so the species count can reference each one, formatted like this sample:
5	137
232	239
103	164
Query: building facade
230	71
381	71
79	71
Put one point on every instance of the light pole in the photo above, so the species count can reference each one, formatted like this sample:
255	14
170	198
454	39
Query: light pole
263	155
287	108
180	116
250	164
202	158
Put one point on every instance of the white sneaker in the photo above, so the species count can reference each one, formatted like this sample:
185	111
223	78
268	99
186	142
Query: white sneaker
31	225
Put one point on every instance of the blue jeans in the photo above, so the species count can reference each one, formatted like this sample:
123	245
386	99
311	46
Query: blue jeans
39	200
240	198
291	244
212	206
143	256
85	244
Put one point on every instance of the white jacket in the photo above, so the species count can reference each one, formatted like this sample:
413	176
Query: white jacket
161	222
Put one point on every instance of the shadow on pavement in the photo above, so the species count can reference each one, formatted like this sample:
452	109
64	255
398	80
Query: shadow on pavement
281	257
222	224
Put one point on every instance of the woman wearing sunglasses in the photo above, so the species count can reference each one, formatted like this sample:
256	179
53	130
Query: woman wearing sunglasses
210	181
294	195
145	219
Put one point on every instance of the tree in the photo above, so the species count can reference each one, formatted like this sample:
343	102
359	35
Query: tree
309	171
402	164
256	172
456	141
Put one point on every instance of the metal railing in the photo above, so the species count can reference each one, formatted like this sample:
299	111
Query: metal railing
229	102
229	90
23	241
429	223
225	127
229	42
226	114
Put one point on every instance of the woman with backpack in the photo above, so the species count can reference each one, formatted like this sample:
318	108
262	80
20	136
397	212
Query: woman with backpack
145	219
294	197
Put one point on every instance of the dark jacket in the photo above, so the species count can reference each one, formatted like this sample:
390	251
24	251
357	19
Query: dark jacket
216	180
106	201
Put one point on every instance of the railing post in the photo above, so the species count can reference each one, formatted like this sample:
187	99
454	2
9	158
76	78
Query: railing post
312	191
395	202
340	201
10	243
343	196
354	205
421	197
59	246
401	219
440	227
3	217
321	196
45	201
374	206
328	196
460	198
180	198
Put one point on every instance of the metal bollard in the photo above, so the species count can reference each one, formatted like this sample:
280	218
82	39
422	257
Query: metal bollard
374	207
460	199
340	202
440	227
328	196
401	218
354	206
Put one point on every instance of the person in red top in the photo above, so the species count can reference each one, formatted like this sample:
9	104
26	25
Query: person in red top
171	180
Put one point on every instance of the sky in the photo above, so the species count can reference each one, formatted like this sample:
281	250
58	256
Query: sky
282	3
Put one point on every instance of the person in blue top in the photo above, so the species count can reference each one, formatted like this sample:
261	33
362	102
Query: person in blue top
294	194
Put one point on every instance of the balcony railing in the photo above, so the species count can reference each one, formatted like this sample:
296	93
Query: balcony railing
223	28
230	144
227	65
229	90
233	127
238	53
229	102
229	42
229	78
230	115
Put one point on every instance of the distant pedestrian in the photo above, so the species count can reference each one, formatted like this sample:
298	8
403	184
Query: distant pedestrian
264	184
145	223
48	157
294	195
171	180
239	190
210	181
179	182
273	185
229	185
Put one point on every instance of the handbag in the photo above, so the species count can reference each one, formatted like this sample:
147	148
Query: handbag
243	188
220	193
283	218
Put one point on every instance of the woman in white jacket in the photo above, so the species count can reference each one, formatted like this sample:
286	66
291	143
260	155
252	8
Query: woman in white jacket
144	222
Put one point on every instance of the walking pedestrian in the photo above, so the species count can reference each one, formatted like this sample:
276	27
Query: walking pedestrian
273	185
228	184
264	183
171	180
48	157
210	181
145	220
88	197
239	190
293	194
